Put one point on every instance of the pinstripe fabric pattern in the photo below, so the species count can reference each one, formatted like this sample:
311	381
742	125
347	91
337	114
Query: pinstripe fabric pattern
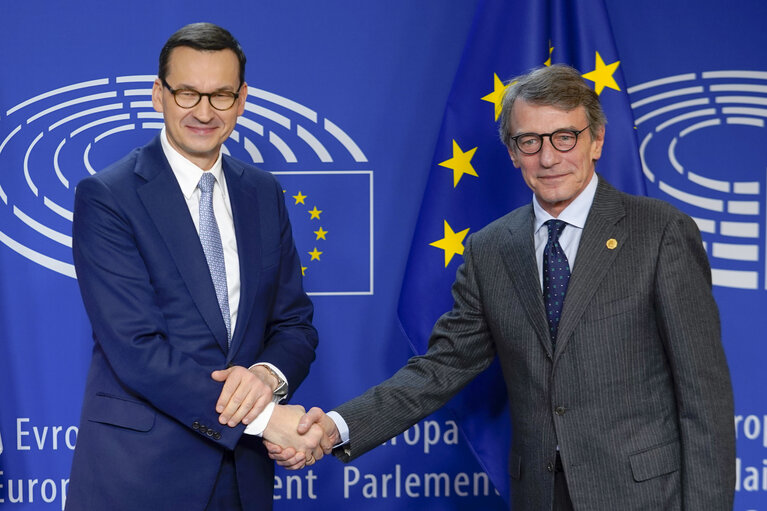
637	392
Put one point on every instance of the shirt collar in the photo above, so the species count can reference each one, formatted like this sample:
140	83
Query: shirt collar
187	173
575	213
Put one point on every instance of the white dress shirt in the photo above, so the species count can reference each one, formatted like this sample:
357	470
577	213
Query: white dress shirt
188	176
574	215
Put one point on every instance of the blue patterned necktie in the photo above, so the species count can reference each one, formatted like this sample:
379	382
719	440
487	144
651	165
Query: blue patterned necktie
556	275
214	250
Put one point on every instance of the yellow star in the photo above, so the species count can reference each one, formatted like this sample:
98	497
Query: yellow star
321	234
315	213
551	50
315	254
452	243
300	198
460	163
496	97
303	271
602	76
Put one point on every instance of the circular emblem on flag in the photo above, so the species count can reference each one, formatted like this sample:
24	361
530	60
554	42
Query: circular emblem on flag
692	130
52	140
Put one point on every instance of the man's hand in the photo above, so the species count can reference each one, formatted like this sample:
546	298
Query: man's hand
245	394
282	430
292	459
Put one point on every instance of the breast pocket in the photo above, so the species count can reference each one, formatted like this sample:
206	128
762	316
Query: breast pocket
604	309
270	260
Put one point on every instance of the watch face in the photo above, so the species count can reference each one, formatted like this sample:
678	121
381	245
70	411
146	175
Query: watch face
281	390
282	385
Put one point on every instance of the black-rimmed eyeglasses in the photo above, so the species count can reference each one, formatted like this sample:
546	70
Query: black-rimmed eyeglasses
561	140
189	98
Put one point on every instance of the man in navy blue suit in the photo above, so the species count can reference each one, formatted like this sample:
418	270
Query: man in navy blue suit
191	280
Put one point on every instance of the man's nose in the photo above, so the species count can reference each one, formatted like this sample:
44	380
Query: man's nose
548	154
203	111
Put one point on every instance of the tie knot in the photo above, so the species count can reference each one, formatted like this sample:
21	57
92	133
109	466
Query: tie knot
206	182
555	229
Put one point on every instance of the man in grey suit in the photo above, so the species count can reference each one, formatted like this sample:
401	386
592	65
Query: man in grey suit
620	395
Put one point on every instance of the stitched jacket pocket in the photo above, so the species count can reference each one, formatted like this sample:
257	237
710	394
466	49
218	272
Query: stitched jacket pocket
120	412
656	461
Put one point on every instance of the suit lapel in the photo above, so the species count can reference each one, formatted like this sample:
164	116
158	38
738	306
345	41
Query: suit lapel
165	204
247	228
595	257
518	254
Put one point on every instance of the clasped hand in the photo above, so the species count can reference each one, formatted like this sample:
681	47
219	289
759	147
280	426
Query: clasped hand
293	437
313	426
245	394
300	449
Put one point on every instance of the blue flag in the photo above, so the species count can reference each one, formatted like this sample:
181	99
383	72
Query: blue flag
472	181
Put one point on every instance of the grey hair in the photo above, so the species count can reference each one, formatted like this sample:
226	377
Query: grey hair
559	86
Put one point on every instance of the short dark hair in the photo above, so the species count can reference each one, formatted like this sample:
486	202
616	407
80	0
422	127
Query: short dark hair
559	86
201	37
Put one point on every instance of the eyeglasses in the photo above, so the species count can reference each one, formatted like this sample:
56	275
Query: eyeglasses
562	140
189	98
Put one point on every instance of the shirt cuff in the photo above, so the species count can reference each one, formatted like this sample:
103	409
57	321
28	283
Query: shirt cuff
279	373
343	428
257	427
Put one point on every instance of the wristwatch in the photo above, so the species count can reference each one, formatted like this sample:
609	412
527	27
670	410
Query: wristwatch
282	386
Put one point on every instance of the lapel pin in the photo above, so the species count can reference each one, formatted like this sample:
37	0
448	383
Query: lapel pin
612	243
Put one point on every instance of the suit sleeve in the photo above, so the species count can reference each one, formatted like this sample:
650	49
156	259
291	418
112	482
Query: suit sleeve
128	325
460	347
689	322
290	339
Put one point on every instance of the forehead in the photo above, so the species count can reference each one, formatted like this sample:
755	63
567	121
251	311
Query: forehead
532	118
203	67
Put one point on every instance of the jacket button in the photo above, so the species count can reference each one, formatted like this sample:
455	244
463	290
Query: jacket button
559	410
217	435
195	425
550	467
209	432
203	429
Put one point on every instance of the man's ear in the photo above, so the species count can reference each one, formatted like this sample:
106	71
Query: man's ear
597	143
157	95
513	155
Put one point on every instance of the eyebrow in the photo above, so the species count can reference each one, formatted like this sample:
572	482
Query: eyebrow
225	88
568	128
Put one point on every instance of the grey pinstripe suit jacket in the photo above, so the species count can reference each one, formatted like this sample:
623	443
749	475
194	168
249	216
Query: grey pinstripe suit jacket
637	394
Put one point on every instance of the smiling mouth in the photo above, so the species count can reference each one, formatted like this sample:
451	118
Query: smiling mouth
202	130
554	177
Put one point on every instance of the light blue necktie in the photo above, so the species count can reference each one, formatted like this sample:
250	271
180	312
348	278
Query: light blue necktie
556	275
214	250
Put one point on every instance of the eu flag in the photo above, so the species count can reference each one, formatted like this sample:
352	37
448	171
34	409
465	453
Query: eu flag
472	182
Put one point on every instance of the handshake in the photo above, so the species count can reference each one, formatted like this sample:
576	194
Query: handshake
293	437
296	438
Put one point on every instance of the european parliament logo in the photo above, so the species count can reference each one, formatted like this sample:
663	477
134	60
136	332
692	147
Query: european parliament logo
51	141
702	144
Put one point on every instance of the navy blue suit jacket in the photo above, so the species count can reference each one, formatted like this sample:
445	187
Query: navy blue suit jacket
149	435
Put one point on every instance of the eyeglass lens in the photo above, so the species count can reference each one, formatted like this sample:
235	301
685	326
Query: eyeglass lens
186	98
562	140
